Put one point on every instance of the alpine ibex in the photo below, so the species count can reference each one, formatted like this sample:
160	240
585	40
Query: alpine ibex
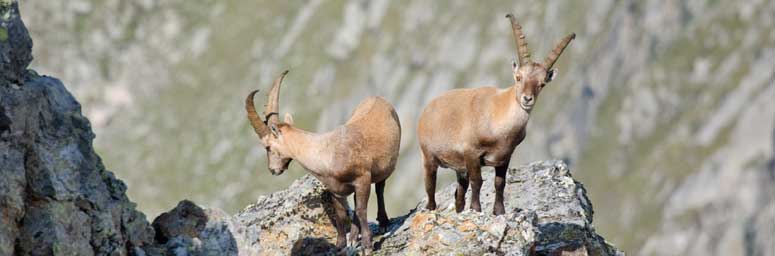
346	160
465	129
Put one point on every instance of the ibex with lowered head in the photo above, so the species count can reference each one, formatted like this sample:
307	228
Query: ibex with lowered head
346	160
465	129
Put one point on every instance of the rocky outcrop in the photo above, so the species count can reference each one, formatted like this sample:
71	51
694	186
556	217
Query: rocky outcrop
547	212
56	198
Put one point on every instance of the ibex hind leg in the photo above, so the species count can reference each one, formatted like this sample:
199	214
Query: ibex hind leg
362	201
431	167
460	193
382	217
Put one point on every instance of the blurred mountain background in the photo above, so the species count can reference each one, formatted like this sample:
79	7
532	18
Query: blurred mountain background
665	110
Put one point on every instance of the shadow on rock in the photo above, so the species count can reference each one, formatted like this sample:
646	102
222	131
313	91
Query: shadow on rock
557	238
313	246
191	230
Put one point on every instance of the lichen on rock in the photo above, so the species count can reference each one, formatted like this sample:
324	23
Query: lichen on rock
547	212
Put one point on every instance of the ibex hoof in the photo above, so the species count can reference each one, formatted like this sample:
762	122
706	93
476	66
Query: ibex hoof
383	227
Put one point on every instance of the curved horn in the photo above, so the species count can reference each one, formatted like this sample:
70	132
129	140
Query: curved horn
523	54
549	62
255	121
272	112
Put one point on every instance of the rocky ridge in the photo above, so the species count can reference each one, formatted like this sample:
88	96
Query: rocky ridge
548	213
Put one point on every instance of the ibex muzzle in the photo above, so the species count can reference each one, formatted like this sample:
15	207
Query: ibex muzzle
466	129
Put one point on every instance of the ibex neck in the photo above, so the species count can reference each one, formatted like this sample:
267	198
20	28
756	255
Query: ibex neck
508	115
309	149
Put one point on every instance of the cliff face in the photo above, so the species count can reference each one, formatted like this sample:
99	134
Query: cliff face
55	195
548	213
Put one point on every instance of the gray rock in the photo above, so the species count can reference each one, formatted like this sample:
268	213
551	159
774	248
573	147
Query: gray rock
548	213
15	43
56	196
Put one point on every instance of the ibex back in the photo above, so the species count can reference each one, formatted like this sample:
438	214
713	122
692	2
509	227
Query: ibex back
466	129
346	160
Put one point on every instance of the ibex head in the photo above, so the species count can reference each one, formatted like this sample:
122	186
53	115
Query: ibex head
271	130
531	77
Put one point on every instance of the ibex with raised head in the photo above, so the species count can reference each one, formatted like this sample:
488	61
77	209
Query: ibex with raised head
465	129
346	160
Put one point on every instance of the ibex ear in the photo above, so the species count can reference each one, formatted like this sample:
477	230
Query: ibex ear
288	119
551	75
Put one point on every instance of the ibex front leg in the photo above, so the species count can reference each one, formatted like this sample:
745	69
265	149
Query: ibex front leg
475	177
500	185
430	181
382	217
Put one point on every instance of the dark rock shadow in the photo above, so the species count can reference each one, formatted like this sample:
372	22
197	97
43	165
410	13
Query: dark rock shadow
318	245
313	246
381	235
557	238
177	229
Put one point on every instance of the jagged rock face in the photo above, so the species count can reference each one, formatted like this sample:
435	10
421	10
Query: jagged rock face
548	212
56	198
295	220
15	42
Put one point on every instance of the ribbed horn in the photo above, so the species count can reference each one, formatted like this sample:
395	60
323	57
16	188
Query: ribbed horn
272	112
523	54
555	54
255	121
